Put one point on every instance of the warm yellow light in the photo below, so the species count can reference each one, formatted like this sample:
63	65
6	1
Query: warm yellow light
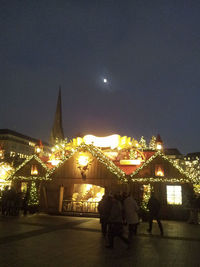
130	162
5	170
111	154
83	160
34	170
159	146
160	173
111	141
88	187
24	187
38	150
54	162
174	194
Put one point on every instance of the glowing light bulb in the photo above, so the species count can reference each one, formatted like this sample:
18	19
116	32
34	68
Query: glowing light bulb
83	161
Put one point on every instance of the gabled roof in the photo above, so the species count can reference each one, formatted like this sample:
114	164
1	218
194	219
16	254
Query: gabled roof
15	175
98	154
185	176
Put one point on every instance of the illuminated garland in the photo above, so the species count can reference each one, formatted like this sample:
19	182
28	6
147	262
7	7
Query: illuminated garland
101	157
33	198
161	179
11	176
5	170
175	165
98	154
193	168
30	178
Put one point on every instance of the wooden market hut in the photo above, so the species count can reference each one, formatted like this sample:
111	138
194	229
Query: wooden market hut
171	185
31	172
99	171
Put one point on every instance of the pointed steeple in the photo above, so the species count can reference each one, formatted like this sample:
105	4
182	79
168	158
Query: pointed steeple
57	130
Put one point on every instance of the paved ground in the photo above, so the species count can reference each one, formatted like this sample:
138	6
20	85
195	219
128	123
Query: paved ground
43	240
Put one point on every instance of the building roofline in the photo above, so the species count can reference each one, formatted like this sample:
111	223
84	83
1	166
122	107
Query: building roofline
11	132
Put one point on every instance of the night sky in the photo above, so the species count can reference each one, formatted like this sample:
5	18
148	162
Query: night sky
149	52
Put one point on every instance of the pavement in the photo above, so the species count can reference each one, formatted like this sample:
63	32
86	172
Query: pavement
45	240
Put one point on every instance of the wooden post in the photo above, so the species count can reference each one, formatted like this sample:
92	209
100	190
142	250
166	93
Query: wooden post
61	198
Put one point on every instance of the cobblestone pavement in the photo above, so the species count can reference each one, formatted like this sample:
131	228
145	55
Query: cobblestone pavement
43	240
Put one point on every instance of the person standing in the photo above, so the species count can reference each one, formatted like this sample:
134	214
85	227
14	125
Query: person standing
115	223
104	207
154	213
131	216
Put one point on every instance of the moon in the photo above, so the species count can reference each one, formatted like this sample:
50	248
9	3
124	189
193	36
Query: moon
105	80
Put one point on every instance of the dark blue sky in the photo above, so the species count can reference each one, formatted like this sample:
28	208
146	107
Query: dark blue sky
148	50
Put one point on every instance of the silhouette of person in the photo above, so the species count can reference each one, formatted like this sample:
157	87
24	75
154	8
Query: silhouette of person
154	213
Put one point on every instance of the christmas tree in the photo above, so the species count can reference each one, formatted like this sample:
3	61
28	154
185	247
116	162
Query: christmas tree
143	143
152	143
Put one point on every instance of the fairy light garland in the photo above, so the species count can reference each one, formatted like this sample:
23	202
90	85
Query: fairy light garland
30	178
12	175
98	154
190	173
155	179
160	179
34	197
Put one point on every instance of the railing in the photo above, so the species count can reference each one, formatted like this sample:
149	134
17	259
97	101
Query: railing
80	206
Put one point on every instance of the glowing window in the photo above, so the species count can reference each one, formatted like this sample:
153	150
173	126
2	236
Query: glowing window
174	194
159	170
34	170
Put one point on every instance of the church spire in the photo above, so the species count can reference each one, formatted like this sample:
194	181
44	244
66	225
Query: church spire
57	130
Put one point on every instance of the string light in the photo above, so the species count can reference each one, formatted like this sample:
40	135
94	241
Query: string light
65	150
13	175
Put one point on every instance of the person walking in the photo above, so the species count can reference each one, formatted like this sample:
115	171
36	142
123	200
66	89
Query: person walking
131	216
154	213
104	207
115	223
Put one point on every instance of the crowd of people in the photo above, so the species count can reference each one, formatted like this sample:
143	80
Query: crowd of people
121	209
12	202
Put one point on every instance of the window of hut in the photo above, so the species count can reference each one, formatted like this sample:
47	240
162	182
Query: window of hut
34	170
174	194
159	170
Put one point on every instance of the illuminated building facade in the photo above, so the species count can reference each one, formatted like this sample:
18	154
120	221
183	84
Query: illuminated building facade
15	144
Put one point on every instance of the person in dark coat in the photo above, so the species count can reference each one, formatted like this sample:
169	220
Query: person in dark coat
104	207
131	215
154	213
25	203
115	223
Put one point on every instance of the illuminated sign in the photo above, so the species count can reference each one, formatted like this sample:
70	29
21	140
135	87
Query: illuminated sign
111	141
130	162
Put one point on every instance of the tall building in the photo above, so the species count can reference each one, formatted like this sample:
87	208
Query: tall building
57	133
